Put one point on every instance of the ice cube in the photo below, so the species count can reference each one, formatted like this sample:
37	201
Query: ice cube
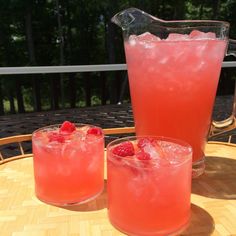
173	152
164	59
80	134
177	37
93	164
40	138
201	65
210	35
84	129
151	150
148	37
54	148
196	34
132	40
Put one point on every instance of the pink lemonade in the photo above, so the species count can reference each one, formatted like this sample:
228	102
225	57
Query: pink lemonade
68	163
149	185
173	83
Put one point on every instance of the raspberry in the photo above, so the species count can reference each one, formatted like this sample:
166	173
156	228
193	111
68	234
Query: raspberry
143	156
95	131
67	127
55	137
124	149
144	141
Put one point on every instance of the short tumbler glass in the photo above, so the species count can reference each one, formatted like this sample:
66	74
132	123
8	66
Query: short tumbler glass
68	165
149	185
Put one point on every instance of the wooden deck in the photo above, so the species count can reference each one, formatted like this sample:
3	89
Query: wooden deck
104	116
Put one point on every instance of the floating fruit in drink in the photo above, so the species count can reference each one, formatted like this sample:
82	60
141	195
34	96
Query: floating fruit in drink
68	163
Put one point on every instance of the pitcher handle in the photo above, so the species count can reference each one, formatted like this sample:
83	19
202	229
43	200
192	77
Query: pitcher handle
219	128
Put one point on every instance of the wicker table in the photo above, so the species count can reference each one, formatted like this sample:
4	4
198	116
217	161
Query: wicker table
21	213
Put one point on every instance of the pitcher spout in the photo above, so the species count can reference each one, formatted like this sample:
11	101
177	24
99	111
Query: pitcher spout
132	17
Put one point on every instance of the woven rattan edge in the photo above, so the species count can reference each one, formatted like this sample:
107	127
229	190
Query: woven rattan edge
15	139
14	158
124	130
222	143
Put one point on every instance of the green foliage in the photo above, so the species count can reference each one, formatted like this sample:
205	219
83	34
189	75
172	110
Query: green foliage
79	32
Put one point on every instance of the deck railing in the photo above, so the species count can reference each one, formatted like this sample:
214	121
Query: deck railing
77	69
62	69
74	68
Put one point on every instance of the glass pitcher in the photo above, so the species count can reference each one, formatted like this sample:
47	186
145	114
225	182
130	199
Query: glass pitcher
173	70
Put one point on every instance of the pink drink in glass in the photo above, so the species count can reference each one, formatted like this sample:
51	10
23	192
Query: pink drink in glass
68	163
149	185
173	84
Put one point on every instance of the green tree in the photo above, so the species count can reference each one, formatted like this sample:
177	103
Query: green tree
78	32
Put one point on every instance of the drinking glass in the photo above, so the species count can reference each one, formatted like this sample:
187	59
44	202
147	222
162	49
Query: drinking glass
68	165
149	185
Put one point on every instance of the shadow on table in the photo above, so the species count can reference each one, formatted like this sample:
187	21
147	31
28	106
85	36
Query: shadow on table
201	222
219	179
99	203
